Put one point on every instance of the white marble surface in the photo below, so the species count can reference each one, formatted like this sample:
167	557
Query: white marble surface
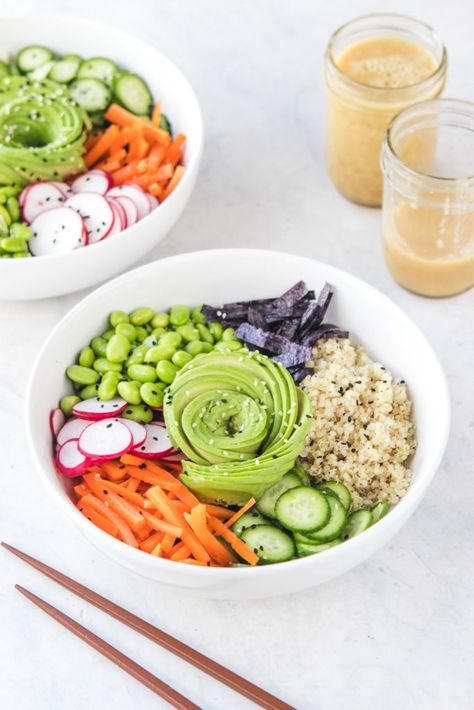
395	632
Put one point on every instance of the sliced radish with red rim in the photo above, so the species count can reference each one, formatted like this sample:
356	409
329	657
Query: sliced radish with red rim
72	462
152	200
63	187
94	408
39	198
93	181
95	211
72	429
57	231
119	217
56	421
105	439
136	194
156	445
129	208
137	431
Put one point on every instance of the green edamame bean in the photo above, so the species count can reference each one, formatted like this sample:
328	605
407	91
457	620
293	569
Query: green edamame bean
20	231
13	208
141	316
141	333
21	254
166	371
197	316
195	347
108	386
106	335
188	332
99	346
228	334
68	402
179	315
140	413
205	333
118	317
129	391
161	385
89	391
126	329
12	244
216	330
171	338
150	341
102	365
181	358
86	357
160	320
151	394
207	348
142	373
118	348
225	346
6	215
158	332
160	352
82	375
10	190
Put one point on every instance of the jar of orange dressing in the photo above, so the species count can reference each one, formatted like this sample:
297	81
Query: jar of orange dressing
374	67
428	204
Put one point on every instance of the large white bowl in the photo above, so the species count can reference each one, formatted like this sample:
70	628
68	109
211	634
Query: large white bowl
229	275
41	277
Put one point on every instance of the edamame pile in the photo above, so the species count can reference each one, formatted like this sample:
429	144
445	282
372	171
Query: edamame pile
138	356
13	234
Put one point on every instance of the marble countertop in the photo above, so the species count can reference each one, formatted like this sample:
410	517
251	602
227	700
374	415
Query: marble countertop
394	632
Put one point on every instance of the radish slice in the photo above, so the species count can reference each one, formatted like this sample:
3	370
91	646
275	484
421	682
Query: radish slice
71	462
57	231
119	207
137	431
119	217
39	198
72	429
64	188
136	194
129	207
105	439
56	421
94	408
156	445
96	213
152	200
175	457
93	181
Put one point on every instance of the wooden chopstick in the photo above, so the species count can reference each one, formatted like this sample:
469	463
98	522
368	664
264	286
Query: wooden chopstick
212	668
113	654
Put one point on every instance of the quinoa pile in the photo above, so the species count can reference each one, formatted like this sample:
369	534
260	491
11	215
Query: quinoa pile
362	434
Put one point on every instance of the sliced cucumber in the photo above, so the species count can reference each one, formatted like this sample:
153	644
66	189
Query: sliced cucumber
303	509
304	549
64	70
4	69
41	72
266	502
270	543
30	58
302	474
379	511
165	124
132	92
91	94
335	525
356	523
98	68
340	490
248	520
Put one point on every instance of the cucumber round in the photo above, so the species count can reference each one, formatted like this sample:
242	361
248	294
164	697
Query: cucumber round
165	124
304	549
266	502
335	525
270	543
303	509
4	69
91	94
248	520
356	523
64	70
30	58
338	489
302	474
98	68
132	93
379	511
41	72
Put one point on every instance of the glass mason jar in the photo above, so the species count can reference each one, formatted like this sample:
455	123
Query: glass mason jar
428	203
397	61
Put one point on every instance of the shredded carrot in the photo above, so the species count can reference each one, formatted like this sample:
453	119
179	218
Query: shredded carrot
128	512
162	525
197	521
235	542
178	174
191	561
240	512
124	531
157	550
218	512
101	521
151	541
102	145
101	487
114	471
81	490
156	114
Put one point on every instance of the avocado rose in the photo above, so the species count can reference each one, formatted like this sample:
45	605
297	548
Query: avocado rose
240	420
41	131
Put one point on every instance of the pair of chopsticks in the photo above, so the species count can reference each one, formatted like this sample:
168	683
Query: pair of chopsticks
215	670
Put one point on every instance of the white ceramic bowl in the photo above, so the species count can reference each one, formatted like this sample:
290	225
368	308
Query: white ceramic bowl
229	275
41	277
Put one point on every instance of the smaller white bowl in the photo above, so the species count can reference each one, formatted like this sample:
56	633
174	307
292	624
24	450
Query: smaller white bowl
222	276
42	277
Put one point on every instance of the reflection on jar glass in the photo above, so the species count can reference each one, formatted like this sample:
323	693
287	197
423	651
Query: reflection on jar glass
374	67
428	204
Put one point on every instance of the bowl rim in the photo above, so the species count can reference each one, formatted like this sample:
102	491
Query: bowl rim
191	168
400	511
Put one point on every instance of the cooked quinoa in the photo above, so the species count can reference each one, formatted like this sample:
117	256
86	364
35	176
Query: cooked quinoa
362	434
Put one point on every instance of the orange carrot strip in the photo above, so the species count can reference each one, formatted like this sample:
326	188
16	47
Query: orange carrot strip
151	541
101	487
143	533
155	189
158	497
164	173
177	141
178	174
174	158
101	521
163	525
125	174
235	542
197	521
124	531
157	550
164	479
133	516
156	114
114	471
240	512
218	512
92	140
102	145
118	115
81	490
180	554
191	561
167	544
132	484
